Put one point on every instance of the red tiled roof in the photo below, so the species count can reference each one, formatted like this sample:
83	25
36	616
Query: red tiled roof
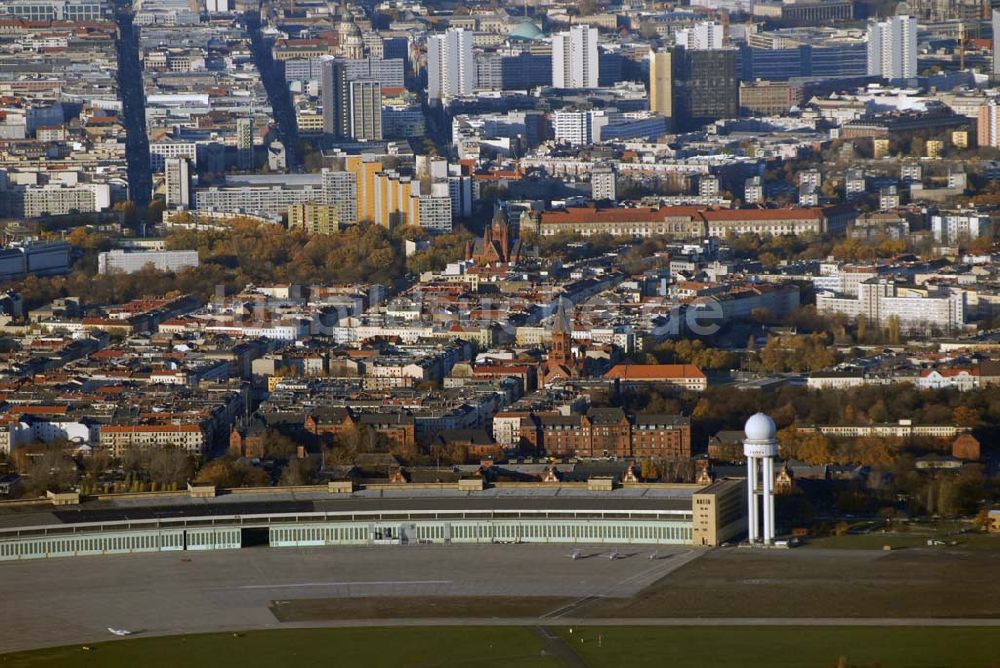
39	410
589	214
654	372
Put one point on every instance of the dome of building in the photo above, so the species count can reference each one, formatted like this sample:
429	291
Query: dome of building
527	31
760	427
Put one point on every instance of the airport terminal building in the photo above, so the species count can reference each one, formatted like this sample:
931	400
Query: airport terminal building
596	512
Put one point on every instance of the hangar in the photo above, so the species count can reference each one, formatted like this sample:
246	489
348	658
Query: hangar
655	514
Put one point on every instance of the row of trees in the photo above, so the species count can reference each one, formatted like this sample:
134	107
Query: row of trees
810	352
693	351
816	448
248	252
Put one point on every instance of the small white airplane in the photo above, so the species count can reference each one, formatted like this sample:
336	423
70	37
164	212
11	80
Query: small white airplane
576	555
614	554
120	632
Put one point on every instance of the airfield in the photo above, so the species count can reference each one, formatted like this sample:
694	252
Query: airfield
73	601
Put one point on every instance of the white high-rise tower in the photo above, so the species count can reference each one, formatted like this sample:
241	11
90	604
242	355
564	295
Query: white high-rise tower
451	68
760	448
892	48
575	58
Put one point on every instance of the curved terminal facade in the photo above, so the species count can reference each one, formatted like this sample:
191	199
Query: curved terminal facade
655	515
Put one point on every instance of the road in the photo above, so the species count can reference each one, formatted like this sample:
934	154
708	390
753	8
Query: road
140	178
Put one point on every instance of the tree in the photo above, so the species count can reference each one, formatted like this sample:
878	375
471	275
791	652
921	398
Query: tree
127	212
169	467
53	471
966	416
278	445
229	472
351	442
298	472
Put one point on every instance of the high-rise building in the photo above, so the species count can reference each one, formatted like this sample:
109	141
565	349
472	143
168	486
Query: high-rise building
451	68
575	62
706	35
892	48
434	213
244	143
396	199
705	86
336	99
314	218
352	106
365	172
988	125
340	189
602	184
389	73
578	128
525	70
661	90
365	110
753	190
178	183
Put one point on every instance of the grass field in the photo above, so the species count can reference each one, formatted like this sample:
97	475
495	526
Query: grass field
402	607
916	537
375	647
749	647
915	582
615	647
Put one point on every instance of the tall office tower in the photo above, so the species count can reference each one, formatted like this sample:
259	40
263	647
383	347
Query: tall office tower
996	42
575	58
661	89
178	186
707	35
451	68
892	48
365	110
244	143
705	86
336	99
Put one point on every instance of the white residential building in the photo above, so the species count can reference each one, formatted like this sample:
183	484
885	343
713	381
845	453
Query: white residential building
451	69
916	309
129	262
178	183
578	128
892	48
949	228
707	35
575	58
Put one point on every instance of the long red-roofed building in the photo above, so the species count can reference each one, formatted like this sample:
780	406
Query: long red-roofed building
695	222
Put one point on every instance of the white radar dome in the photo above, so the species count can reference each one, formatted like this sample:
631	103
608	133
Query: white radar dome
760	427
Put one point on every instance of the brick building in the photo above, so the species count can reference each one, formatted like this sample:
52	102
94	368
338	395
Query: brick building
607	432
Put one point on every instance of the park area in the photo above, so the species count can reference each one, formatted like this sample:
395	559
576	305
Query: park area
721	647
